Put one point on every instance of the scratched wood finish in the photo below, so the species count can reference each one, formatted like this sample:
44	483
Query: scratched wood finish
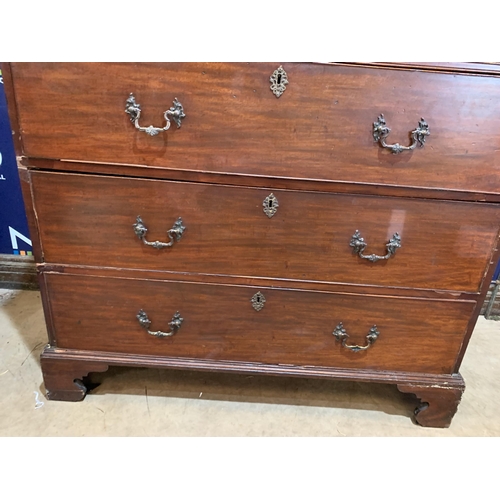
294	327
438	403
65	369
325	186
63	378
25	182
320	286
447	67
320	128
445	245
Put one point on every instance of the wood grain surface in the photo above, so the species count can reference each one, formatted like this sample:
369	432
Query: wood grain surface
151	361
87	173
315	185
320	128
438	404
445	245
294	327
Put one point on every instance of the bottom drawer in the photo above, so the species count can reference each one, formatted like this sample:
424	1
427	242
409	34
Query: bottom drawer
219	322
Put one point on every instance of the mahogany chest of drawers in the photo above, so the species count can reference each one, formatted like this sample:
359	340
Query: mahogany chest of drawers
269	221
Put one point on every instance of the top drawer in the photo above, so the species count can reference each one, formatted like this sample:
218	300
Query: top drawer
320	128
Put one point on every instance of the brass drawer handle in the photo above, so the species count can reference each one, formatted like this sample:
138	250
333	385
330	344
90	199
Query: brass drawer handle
381	131
134	110
174	325
177	229
359	244
341	335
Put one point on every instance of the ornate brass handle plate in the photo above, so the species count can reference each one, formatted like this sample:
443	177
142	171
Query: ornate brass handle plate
134	111
359	244
341	335
176	232
381	131
174	325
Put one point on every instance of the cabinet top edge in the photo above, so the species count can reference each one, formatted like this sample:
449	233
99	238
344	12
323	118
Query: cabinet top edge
471	68
478	68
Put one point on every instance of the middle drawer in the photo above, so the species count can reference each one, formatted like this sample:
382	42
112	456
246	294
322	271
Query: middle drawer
311	236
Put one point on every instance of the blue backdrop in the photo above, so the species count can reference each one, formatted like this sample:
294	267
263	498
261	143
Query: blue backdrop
14	235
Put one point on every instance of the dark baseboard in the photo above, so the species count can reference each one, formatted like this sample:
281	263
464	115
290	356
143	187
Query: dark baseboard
18	272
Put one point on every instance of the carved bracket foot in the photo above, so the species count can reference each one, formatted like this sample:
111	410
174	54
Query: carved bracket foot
63	378
438	403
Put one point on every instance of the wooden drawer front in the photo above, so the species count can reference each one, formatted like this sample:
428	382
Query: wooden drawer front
444	245
219	323
320	128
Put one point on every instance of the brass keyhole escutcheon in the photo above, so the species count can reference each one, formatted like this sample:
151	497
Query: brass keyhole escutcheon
258	301
279	80
270	205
